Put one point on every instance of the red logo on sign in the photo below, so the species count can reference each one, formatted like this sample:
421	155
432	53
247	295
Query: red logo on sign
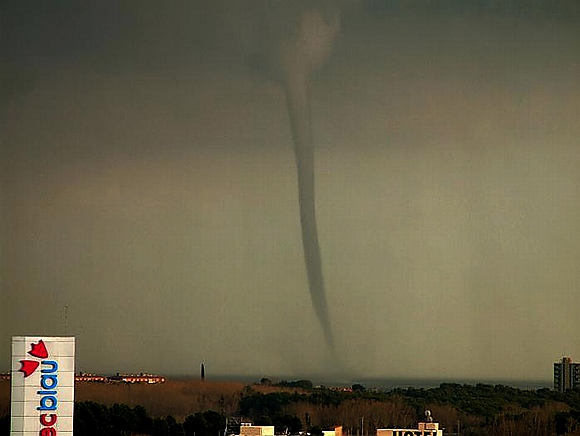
38	350
27	367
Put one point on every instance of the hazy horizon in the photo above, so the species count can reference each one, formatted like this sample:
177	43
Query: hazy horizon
148	199
369	383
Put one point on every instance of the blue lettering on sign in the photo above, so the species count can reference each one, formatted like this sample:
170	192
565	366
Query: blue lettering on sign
48	402
53	366
48	383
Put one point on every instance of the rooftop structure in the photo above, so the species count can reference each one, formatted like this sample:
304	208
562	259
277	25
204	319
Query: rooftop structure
140	378
247	429
428	428
83	377
336	432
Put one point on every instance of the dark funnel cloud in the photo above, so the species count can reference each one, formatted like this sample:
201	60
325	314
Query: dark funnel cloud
303	56
295	57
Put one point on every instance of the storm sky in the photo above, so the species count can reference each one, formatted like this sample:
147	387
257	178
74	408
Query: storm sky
149	203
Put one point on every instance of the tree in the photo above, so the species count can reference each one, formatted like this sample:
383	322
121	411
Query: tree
316	431
5	425
175	428
123	418
266	381
290	422
302	384
92	419
160	427
204	423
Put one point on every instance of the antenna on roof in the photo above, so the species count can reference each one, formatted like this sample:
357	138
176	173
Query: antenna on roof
65	319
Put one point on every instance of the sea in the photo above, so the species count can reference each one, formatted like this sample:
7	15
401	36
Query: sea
388	384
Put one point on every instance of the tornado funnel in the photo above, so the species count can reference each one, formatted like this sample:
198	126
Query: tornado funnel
298	105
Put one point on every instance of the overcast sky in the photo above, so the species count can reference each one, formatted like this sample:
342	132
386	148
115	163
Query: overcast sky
149	199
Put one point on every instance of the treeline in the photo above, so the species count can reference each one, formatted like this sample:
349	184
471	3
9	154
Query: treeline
486	400
465	409
499	410
94	419
470	410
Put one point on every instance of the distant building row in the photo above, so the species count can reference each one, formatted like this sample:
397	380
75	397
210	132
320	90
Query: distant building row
247	429
95	378
429	428
125	378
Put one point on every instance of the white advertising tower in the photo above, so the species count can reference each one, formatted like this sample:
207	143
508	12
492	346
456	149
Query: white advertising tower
42	386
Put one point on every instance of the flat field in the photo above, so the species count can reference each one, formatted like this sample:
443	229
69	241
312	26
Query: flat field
178	398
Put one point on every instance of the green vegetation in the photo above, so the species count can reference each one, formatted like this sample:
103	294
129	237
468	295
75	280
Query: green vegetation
478	410
300	384
93	419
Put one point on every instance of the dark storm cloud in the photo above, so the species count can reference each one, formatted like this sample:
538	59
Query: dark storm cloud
148	184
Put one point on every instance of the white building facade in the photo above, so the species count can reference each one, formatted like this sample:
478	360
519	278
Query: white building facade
425	429
42	386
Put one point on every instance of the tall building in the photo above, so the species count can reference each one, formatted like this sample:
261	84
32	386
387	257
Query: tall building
566	375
